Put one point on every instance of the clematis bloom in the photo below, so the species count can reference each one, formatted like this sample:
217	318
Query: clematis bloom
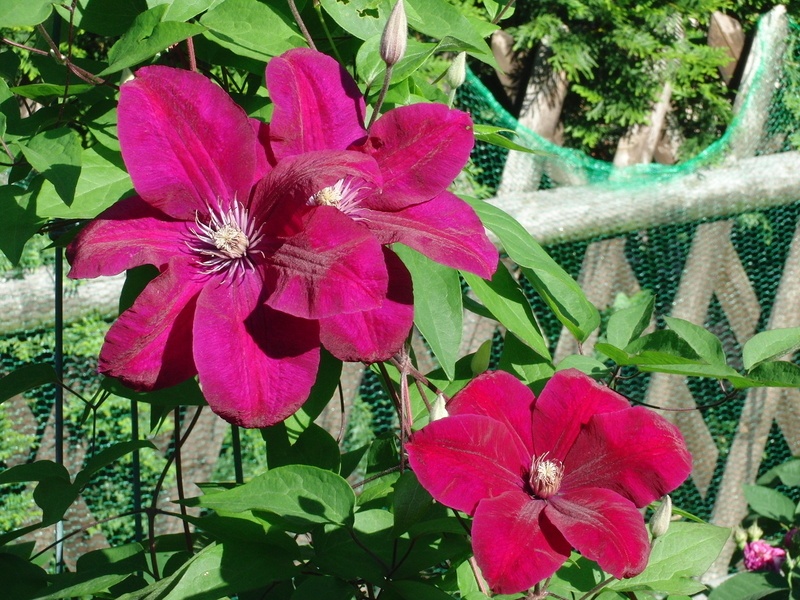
759	555
242	283
418	151
541	476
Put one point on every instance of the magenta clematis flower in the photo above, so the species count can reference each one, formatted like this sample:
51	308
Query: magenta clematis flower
761	556
544	475
241	283
418	151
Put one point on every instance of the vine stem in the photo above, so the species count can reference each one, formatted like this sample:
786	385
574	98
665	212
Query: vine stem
499	15
299	20
597	588
387	78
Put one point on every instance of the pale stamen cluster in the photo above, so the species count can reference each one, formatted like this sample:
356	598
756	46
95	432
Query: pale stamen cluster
545	476
341	195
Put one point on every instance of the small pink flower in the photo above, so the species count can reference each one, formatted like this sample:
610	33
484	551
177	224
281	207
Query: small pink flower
760	556
542	476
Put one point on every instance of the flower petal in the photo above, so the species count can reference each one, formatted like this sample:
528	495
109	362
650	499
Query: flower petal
377	334
635	452
502	397
147	347
604	527
420	149
256	365
128	234
565	405
317	104
461	460
444	229
185	142
514	546
332	266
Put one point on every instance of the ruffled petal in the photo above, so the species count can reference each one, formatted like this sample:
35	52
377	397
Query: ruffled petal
185	142
445	229
420	149
317	104
604	527
128	234
464	459
148	346
565	405
502	397
514	546
256	366
332	266
377	334
635	452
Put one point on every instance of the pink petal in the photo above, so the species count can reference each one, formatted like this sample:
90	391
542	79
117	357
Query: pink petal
263	152
444	229
635	452
148	346
604	527
128	234
317	104
514	546
185	142
332	266
565	405
464	459
256	365
420	149
378	334
502	397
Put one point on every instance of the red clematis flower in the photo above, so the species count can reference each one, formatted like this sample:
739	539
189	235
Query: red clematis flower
241	283
544	475
418	151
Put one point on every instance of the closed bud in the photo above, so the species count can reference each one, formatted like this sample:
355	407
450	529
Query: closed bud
438	410
740	536
457	72
395	35
754	532
659	523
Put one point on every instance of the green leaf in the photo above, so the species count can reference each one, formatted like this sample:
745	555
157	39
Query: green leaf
19	223
183	10
371	68
704	343
685	551
26	378
302	495
770	503
147	36
107	456
410	502
324	389
521	361
416	590
104	17
627	324
314	447
252	29
775	374
508	304
54	496
771	344
751	586
492	135
326	587
561	293
21	578
35	471
21	13
787	473
438	310
103	181
585	364
56	154
46	91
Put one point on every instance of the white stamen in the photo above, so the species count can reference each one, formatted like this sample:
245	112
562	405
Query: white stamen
340	195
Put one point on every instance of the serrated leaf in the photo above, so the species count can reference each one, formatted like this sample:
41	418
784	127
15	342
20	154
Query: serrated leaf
26	378
685	551
628	323
304	496
504	298
251	28
438	310
767	345
561	293
22	13
56	154
770	503
146	37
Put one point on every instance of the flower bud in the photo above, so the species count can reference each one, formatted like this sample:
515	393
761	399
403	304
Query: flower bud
740	536
395	35
438	410
659	522
754	532
457	72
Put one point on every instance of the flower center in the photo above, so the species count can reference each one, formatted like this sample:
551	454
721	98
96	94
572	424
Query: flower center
226	242
341	195
545	476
